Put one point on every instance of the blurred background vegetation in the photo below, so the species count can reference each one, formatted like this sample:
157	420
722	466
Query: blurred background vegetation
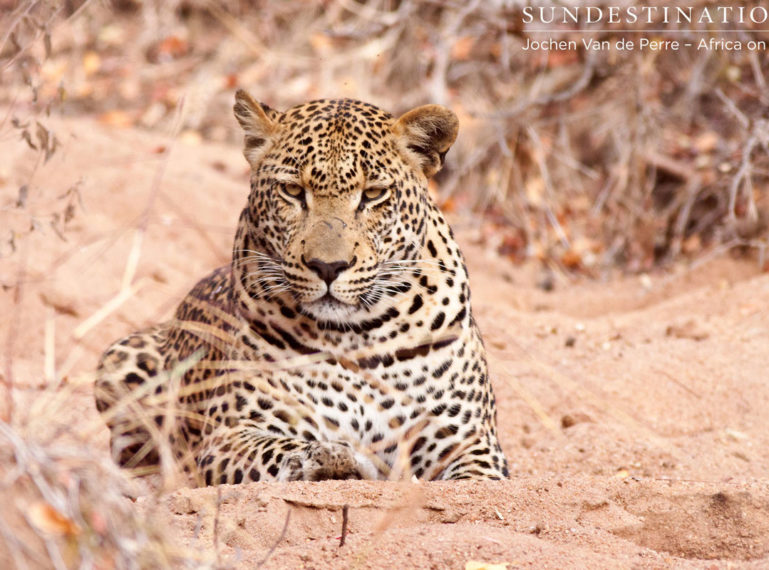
585	160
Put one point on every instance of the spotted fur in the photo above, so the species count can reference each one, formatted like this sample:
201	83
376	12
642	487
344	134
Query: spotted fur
340	342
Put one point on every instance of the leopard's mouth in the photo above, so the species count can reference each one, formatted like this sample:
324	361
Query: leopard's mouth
328	308
330	298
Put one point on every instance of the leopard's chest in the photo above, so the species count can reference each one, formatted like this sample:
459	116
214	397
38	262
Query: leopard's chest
383	402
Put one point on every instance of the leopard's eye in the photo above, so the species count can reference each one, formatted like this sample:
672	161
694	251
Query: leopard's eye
293	191
374	194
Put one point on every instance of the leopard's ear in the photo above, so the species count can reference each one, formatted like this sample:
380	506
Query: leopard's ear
260	124
425	134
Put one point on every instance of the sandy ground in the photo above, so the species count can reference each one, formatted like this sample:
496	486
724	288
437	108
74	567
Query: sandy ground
633	411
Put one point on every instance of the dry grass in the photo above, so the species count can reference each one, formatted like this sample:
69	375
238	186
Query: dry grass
66	506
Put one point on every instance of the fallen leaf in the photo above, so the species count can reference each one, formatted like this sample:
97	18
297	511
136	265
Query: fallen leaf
116	118
692	244
571	259
707	141
191	137
172	47
462	48
449	205
48	520
91	62
321	42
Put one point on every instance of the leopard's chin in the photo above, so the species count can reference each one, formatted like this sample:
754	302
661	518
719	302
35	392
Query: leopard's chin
329	309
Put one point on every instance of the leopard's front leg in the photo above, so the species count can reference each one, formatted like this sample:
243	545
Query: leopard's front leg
242	454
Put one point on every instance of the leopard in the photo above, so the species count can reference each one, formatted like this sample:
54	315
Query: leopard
339	343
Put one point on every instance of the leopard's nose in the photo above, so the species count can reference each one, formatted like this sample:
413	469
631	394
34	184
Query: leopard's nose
325	270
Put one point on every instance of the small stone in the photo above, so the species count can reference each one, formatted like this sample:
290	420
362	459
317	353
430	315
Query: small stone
569	420
547	282
527	442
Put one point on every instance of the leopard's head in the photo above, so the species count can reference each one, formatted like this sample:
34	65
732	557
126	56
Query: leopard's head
338	209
